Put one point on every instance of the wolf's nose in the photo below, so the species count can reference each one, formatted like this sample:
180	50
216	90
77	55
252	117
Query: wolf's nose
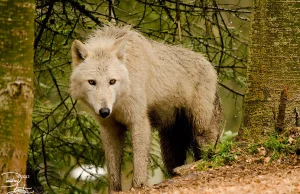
104	112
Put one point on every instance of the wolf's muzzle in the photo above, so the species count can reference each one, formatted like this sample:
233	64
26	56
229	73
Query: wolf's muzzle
104	112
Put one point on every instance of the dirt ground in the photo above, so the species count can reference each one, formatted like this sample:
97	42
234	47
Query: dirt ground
246	176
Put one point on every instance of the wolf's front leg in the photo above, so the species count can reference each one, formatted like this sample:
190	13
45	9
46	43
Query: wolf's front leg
112	136
141	139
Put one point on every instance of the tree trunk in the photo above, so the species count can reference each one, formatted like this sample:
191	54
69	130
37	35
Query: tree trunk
274	66
16	87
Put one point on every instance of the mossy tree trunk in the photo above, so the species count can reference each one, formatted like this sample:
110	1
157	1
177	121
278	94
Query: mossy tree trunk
16	85
274	64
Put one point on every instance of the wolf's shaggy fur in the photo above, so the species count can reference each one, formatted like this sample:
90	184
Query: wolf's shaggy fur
169	88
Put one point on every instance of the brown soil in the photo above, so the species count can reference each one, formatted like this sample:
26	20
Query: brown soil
246	176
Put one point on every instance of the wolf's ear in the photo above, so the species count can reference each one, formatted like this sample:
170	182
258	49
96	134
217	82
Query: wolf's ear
120	48
79	52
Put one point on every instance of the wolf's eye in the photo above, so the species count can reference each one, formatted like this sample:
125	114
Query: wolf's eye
112	81
92	82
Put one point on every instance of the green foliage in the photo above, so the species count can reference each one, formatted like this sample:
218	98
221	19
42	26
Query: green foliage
224	155
76	141
253	148
155	155
275	145
220	156
271	147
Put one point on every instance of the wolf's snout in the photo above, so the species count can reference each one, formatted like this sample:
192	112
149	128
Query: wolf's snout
104	112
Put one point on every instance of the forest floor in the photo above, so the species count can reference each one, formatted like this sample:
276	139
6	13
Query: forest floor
256	173
235	179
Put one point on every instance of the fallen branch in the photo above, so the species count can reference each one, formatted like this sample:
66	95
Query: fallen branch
281	111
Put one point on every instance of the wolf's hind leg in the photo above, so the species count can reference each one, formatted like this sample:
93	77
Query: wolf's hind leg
206	125
175	140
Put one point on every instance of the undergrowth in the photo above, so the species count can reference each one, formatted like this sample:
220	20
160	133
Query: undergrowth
220	155
274	145
228	151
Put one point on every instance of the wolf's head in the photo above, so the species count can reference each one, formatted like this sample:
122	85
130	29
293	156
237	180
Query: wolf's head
99	75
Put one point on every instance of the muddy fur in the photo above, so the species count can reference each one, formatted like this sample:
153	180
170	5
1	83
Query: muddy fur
175	138
178	136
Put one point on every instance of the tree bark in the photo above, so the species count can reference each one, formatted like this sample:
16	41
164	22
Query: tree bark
16	87
274	63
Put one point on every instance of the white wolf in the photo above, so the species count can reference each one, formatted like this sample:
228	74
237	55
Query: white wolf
132	83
